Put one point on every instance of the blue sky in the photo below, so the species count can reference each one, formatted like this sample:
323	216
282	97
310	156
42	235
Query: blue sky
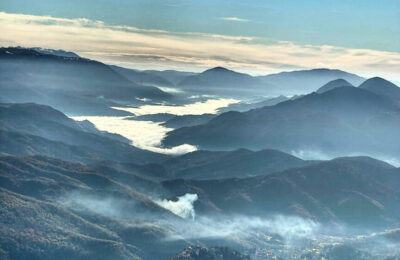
372	24
256	37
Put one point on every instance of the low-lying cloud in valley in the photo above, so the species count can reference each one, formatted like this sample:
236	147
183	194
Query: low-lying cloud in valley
147	134
209	106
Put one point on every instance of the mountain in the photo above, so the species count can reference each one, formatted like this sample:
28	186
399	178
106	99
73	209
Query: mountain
222	80
345	120
233	164
52	209
213	253
142	77
245	106
60	133
306	81
160	117
72	84
333	84
382	88
172	76
357	191
187	120
61	53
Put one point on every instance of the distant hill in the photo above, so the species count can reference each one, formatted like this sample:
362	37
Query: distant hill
306	81
142	77
187	120
160	117
333	84
340	121
172	76
382	88
224	81
61	53
244	106
72	84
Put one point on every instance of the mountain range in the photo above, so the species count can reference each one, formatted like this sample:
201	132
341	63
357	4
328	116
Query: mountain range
73	84
275	176
343	120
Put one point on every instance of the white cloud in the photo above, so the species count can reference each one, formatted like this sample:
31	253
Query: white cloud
148	135
145	49
234	19
207	107
143	134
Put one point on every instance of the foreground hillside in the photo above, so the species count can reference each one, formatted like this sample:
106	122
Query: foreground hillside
56	209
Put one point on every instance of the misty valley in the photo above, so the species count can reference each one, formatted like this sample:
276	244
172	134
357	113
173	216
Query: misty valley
99	161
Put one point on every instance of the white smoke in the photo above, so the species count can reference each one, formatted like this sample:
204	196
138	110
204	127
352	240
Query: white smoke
183	207
243	227
311	155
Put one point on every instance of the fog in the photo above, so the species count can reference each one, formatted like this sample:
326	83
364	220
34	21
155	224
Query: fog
146	135
209	106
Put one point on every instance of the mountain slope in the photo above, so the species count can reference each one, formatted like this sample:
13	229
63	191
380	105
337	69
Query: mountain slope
48	123
240	164
358	191
213	253
56	209
172	76
333	84
306	81
142	77
345	120
73	84
224	81
382	88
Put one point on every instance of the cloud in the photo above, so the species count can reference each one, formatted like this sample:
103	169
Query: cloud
157	49
182	207
147	134
234	19
209	106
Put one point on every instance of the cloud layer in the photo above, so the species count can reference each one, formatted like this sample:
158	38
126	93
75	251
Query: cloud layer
134	47
147	134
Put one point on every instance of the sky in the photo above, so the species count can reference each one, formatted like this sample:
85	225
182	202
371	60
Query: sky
257	37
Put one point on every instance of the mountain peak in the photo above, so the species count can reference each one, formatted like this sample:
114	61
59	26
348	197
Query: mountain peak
218	69
376	81
382	87
334	84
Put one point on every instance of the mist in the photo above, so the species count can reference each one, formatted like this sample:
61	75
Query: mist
320	155
209	106
143	134
280	235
